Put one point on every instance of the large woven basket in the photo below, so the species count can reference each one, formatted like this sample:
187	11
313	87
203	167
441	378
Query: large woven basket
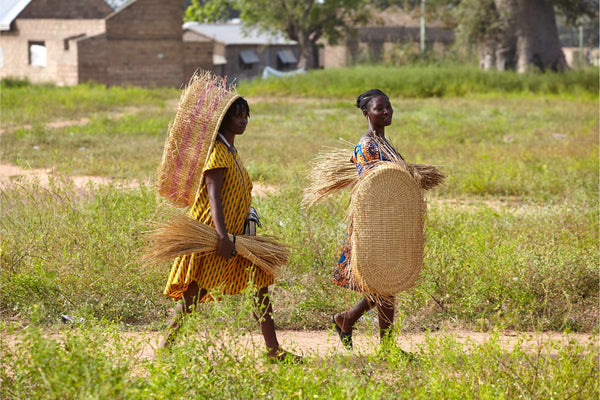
388	212
192	134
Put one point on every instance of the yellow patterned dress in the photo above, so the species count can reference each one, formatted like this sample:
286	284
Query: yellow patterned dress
210	271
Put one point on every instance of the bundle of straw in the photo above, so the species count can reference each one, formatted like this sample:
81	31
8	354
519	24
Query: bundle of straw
333	171
184	235
428	176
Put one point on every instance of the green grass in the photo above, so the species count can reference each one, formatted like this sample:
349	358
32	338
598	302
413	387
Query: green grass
512	239
38	104
101	362
422	81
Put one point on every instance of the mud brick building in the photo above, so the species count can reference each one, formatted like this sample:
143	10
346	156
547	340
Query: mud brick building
72	41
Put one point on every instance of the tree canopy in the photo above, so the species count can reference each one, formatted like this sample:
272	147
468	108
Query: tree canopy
304	21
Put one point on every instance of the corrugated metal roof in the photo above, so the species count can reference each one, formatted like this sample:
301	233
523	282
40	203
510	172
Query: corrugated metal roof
9	10
235	34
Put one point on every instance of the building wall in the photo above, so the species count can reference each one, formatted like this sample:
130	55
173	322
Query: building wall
145	62
267	55
384	44
93	60
144	44
335	56
197	55
147	20
61	63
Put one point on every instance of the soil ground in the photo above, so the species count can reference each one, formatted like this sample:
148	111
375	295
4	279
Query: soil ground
319	344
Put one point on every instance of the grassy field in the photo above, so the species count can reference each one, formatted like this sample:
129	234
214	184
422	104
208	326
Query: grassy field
512	238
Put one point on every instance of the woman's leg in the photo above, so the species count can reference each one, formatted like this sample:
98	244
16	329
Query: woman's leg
346	320
264	315
184	307
386	308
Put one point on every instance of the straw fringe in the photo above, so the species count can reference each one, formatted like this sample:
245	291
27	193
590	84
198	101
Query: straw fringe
183	235
333	171
202	106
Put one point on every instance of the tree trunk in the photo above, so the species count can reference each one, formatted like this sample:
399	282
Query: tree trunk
308	52
537	37
528	36
487	54
506	46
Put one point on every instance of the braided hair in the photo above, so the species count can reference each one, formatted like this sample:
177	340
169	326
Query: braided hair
362	101
238	107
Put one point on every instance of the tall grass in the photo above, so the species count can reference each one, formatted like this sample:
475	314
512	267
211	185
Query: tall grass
512	241
38	104
100	362
526	165
421	81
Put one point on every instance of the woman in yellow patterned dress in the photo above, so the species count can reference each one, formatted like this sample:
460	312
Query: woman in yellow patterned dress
223	202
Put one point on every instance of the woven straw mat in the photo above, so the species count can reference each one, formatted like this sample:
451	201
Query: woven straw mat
192	134
388	212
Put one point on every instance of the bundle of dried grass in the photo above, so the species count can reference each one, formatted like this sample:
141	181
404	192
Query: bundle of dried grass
333	171
428	176
184	235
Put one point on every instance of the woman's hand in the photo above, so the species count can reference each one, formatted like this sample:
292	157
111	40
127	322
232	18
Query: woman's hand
214	184
226	248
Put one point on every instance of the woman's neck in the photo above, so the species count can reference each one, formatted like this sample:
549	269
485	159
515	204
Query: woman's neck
376	132
230	137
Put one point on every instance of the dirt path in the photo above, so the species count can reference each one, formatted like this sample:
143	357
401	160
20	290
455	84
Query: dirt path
321	343
11	175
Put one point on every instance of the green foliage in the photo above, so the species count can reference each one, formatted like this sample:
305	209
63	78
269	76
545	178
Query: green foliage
575	9
424	81
38	104
479	20
7	83
305	22
76	252
330	18
210	11
102	362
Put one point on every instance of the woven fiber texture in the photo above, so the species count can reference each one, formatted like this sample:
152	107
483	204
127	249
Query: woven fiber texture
388	212
192	134
184	235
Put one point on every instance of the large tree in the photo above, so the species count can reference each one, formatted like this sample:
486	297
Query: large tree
517	34
305	21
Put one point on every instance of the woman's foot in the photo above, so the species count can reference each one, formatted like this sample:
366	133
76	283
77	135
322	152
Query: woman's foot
345	337
283	356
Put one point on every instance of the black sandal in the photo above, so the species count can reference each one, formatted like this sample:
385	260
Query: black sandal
346	338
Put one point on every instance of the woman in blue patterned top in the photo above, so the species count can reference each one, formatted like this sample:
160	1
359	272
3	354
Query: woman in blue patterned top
371	149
